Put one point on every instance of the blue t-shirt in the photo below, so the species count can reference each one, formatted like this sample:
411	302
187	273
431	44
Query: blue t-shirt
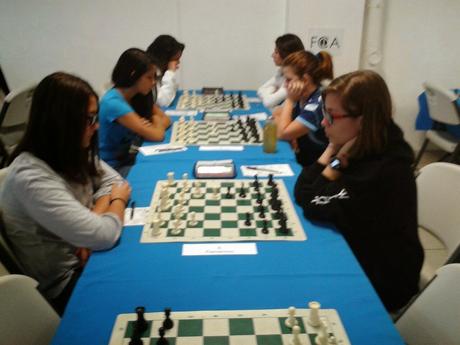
114	139
312	144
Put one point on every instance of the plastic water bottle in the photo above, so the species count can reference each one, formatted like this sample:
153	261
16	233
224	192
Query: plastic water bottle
270	136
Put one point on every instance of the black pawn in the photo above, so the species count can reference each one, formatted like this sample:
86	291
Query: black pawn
242	192
162	340
141	324
265	227
259	198
228	195
256	181
270	179
168	323
247	222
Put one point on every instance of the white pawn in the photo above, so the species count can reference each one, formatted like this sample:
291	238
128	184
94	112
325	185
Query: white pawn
215	193
193	221
197	190
185	182
176	223
323	337
170	178
155	226
291	320
295	336
314	319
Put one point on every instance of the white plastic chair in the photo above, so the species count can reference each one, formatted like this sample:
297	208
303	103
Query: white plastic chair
438	192
434	316
442	105
25	316
14	116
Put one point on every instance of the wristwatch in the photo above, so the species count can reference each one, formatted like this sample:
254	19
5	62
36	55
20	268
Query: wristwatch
335	163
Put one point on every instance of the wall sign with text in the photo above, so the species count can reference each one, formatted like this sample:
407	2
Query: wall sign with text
330	40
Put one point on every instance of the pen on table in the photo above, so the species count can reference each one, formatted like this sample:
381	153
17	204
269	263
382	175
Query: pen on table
264	169
168	149
133	206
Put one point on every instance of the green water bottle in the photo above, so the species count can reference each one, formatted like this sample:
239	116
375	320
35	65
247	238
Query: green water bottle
270	136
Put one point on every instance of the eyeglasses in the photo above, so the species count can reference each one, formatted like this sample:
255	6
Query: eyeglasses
331	117
92	119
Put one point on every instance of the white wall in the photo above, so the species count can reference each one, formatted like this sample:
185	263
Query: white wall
228	42
420	42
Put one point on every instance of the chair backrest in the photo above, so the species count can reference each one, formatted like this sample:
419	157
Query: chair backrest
438	191
434	316
16	107
25	316
442	104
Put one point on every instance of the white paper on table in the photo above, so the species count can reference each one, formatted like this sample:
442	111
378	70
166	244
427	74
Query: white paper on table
139	216
219	249
161	149
267	169
221	148
262	116
254	100
176	112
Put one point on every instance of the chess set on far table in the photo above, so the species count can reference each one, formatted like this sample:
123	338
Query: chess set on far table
211	210
310	326
217	101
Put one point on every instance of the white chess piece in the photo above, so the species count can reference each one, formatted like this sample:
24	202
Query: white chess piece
215	194
323	336
176	223
155	226
314	319
295	336
197	190
193	221
185	186
170	178
291	320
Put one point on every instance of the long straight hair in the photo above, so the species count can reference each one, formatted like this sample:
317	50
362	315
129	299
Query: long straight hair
163	49
365	93
57	122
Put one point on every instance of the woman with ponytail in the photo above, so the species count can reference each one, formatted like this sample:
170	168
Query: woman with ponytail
300	118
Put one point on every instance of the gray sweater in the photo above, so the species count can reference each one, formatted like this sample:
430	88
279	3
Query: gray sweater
47	218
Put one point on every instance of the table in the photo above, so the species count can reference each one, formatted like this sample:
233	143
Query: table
424	122
322	268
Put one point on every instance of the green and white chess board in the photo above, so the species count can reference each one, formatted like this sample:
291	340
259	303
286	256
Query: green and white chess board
215	133
218	217
232	327
214	102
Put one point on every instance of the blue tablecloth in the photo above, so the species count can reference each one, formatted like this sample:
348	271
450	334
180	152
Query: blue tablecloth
424	122
283	274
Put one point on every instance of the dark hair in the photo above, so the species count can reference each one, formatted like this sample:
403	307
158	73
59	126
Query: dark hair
131	65
318	67
288	44
163	49
57	121
365	93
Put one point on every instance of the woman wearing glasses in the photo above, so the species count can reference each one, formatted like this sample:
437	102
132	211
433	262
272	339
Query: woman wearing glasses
300	118
364	185
122	128
58	197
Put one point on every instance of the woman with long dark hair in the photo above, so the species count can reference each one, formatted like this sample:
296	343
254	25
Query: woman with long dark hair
59	200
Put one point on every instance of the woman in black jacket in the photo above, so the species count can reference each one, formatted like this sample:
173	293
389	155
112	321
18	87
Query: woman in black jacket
364	185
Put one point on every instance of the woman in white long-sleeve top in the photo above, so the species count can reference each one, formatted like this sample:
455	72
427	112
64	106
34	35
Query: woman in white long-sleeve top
273	92
59	201
166	52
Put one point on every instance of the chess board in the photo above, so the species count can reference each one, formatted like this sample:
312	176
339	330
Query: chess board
231	327
216	133
222	218
215	102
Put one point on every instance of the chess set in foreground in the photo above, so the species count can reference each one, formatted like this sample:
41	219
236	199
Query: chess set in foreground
221	210
212	102
312	326
232	132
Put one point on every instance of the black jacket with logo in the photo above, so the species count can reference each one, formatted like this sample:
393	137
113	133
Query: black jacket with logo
374	205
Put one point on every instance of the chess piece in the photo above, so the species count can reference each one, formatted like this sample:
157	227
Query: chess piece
270	179
170	178
136	338
185	186
291	320
314	319
193	221
247	222
295	336
265	227
228	195
323	337
162	340
141	324
215	194
155	227
242	191
168	323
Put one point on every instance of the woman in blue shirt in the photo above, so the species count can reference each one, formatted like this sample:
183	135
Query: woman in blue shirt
300	118
121	128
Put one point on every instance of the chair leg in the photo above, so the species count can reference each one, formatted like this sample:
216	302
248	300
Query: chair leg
420	153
